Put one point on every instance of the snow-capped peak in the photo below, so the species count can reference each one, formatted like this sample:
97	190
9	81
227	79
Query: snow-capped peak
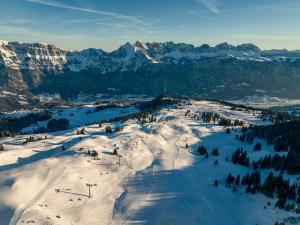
2	42
248	47
43	56
128	48
224	46
141	45
125	51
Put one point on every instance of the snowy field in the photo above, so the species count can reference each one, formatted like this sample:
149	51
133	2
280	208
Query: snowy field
161	178
266	101
82	115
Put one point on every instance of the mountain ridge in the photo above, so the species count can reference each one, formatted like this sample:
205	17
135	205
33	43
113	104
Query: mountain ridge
17	55
223	72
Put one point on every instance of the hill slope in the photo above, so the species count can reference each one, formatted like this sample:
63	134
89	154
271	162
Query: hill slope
161	179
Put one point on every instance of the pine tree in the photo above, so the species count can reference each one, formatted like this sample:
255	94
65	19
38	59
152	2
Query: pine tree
230	179
115	152
281	203
216	183
215	152
257	147
240	157
268	187
118	129
202	150
237	180
108	129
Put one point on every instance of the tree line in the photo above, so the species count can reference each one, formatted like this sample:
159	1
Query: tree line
274	186
285	138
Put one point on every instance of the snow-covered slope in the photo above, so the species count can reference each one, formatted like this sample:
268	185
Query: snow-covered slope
41	56
224	50
82	115
161	178
266	101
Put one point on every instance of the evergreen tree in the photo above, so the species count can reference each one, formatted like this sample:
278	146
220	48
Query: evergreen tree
281	203
108	129
115	152
240	157
215	152
202	150
118	129
257	147
230	179
268	187
237	180
216	183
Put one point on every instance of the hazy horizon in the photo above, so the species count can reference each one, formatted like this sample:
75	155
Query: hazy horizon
132	42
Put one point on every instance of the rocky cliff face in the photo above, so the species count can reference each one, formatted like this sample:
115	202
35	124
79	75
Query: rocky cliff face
22	65
150	68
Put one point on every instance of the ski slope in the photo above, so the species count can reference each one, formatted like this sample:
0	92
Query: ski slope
160	180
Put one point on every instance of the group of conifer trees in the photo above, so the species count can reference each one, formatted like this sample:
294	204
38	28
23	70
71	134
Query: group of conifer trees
240	157
289	163
213	117
285	138
286	193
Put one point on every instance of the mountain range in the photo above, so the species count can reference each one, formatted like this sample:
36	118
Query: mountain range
224	71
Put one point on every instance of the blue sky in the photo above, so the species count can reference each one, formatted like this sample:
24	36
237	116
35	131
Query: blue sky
106	24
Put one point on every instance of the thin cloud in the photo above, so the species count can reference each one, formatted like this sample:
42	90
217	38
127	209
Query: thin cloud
87	10
80	21
115	25
212	5
102	22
